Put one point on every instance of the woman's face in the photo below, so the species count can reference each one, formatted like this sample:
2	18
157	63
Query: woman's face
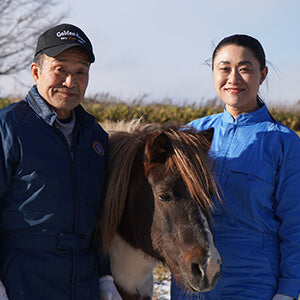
237	77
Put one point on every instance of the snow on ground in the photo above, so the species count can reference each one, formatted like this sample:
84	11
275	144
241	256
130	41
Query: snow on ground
162	283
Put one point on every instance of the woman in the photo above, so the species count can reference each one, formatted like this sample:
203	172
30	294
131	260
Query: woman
257	162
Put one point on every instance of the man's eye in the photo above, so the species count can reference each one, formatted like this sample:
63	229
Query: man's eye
82	73
244	70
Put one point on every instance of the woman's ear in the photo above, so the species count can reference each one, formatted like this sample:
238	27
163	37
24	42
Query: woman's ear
264	74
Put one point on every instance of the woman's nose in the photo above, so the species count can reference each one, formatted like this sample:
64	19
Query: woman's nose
234	77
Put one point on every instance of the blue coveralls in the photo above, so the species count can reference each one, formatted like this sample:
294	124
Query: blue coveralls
50	200
257	231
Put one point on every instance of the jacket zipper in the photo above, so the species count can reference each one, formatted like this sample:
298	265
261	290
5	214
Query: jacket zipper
71	152
74	269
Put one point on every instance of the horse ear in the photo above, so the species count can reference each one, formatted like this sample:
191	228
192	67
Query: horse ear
208	134
158	148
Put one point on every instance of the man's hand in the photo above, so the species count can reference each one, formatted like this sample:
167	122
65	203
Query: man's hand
3	295
108	290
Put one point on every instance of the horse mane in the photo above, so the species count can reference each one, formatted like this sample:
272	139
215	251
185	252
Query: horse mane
125	140
189	157
192	161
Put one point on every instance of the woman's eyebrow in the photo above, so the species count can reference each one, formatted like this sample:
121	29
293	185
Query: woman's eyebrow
243	62
225	62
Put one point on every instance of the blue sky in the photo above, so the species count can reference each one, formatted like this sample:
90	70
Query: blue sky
159	47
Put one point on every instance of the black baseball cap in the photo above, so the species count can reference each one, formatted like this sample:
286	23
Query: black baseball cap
63	37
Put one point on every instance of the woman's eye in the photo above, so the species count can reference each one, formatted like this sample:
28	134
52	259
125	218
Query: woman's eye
224	69
164	197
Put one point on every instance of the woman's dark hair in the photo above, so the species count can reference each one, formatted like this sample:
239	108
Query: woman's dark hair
245	41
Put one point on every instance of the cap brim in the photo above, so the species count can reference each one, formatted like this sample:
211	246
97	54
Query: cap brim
56	50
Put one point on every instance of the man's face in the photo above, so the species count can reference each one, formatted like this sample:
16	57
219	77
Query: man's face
62	80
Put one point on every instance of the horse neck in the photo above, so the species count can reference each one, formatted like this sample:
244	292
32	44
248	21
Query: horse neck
135	225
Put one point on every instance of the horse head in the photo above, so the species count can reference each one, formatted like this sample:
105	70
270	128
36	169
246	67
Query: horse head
180	229
165	212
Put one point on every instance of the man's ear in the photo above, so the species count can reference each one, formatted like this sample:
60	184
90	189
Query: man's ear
35	71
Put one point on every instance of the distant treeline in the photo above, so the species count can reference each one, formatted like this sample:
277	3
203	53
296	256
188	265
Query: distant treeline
163	112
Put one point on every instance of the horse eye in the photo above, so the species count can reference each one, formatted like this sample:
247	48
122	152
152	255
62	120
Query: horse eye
164	197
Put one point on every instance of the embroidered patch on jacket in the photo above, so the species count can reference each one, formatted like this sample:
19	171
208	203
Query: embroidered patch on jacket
98	148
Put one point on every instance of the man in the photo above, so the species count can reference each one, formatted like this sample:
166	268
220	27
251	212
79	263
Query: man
52	157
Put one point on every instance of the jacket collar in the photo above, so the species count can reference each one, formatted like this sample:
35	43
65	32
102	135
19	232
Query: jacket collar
38	104
259	115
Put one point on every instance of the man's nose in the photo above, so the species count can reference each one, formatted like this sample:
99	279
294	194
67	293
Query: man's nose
70	80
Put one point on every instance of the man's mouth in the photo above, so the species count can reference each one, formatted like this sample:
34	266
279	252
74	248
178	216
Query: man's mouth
68	93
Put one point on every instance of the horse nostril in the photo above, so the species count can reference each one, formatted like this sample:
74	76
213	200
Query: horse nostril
216	277
197	270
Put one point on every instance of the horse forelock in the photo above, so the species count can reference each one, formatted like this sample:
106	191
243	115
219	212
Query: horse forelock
191	159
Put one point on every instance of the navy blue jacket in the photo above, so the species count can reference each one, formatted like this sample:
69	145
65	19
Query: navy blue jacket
50	200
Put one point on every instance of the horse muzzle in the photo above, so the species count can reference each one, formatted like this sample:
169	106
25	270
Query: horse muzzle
204	273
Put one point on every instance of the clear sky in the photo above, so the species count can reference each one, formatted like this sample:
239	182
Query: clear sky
159	47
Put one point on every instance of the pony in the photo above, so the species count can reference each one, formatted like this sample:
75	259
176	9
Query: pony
157	208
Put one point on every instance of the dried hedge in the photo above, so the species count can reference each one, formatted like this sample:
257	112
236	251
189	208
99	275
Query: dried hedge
161	113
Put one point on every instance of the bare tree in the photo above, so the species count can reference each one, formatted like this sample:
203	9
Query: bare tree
21	22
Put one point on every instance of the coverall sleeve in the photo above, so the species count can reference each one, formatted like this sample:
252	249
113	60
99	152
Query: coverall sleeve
288	212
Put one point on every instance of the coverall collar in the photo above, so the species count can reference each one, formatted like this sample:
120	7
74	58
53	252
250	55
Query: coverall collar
258	115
